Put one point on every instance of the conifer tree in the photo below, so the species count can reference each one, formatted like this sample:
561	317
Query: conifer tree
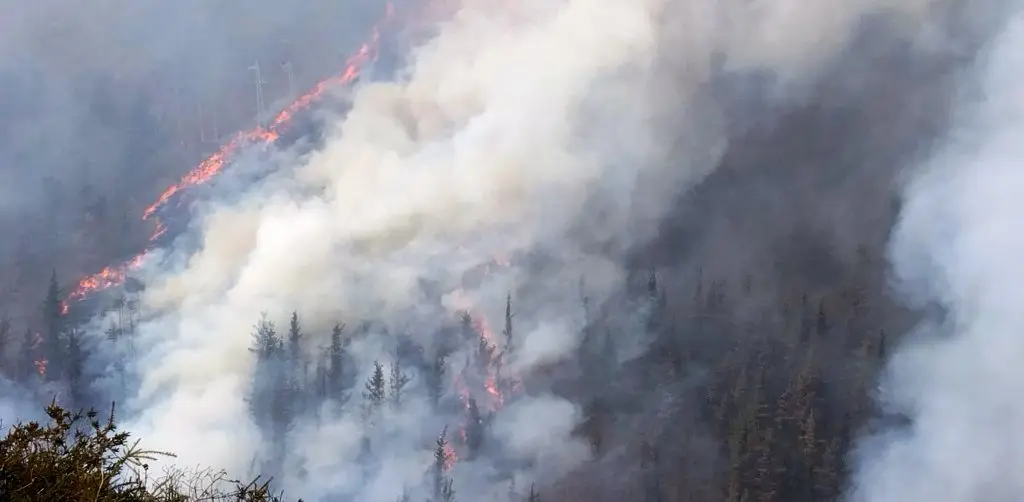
397	380
75	364
5	346
295	342
534	496
484	355
507	332
336	369
435	378
53	334
375	386
28	354
375	393
466	327
443	490
266	346
474	429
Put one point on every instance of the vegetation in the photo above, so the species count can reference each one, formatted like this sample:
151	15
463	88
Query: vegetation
76	456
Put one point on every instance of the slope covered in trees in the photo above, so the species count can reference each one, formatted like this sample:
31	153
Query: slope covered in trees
738	360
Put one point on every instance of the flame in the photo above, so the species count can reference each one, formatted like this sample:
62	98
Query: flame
482	327
450	457
41	367
40	363
108	277
209	168
158	232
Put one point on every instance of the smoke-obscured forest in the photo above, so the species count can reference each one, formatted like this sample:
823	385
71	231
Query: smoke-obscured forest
616	250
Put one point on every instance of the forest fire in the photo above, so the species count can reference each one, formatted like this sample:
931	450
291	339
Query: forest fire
40	363
214	164
207	169
106	278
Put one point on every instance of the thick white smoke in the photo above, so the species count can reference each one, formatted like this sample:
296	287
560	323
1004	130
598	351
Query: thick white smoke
518	125
959	244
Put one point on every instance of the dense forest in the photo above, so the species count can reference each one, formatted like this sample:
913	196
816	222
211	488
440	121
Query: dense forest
737	358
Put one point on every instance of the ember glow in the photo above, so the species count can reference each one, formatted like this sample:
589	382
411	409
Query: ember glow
40	363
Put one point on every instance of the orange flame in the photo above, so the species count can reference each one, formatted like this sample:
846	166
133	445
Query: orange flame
207	169
483	329
40	363
106	278
450	457
210	167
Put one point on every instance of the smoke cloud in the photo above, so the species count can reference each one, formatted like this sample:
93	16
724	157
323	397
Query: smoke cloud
556	134
956	245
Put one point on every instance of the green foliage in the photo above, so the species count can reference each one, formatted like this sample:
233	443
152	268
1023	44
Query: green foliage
77	457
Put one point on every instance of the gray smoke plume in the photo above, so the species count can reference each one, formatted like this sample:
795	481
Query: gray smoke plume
957	378
533	130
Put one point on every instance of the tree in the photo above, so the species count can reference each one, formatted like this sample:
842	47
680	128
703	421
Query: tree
507	332
295	342
376	391
397	380
435	378
534	496
267	373
296	372
336	367
75	364
77	456
5	345
53	322
443	490
474	429
466	326
28	354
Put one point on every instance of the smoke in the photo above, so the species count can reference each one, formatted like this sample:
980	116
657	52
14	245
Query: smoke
956	244
105	102
554	133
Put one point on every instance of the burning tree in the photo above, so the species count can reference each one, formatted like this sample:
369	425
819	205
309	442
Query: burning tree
444	460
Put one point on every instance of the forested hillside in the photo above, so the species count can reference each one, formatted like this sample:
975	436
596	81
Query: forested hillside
507	333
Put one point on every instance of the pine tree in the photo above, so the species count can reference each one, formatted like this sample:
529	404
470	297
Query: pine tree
649	467
375	386
443	491
405	497
484	355
336	367
435	378
474	429
53	320
397	380
266	347
319	388
295	341
28	355
507	332
296	370
821	324
75	363
466	327
5	346
375	393
534	496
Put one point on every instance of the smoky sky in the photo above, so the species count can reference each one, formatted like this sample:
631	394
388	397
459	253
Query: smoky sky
105	103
